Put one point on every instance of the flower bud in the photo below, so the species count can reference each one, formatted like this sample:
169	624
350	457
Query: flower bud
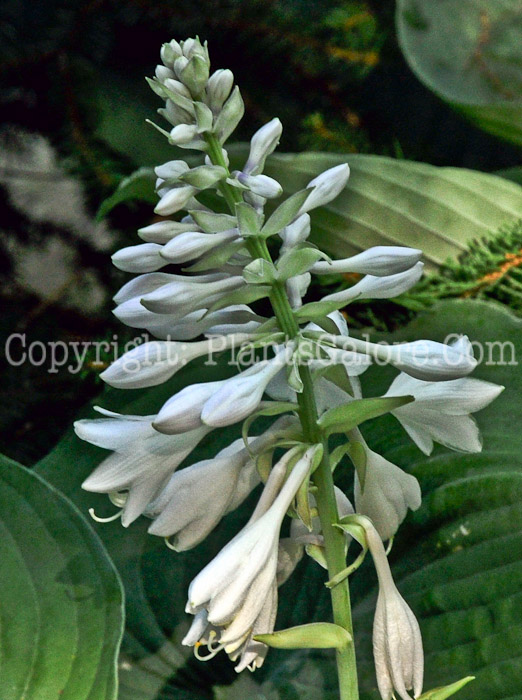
296	232
183	134
190	245
177	87
428	360
371	287
182	412
263	143
194	74
170	52
262	185
139	258
163	73
380	261
326	187
181	297
174	199
171	170
241	395
164	231
219	87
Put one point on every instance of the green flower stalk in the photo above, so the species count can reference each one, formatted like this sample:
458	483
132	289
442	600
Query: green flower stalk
305	372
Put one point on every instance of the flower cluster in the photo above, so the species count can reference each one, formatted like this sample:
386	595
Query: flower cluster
226	267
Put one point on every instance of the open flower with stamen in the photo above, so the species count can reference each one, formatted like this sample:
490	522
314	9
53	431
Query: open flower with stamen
196	498
142	459
235	585
386	494
441	411
397	641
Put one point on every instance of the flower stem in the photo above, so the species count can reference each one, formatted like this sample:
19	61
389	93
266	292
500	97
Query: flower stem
334	539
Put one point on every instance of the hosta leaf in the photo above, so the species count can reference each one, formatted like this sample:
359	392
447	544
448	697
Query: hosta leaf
341	419
137	187
62	602
469	53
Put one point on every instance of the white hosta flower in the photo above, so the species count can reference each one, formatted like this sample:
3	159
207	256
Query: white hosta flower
381	260
296	288
154	362
422	359
231	319
441	411
192	244
183	297
296	232
429	360
261	185
397	641
218	403
326	186
197	497
182	411
139	286
164	231
234	586
219	87
139	258
142	458
372	287
241	395
262	144
175	198
387	494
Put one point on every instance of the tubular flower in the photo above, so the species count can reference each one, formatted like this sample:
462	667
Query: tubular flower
386	495
142	459
234	586
397	641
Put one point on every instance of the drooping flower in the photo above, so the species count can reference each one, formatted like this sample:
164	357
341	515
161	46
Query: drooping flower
142	459
397	641
441	411
234	586
196	498
386	494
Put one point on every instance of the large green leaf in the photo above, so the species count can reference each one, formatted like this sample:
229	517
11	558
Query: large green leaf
458	560
62	601
469	53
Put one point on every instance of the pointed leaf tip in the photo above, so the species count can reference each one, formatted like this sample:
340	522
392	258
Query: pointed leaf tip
316	635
